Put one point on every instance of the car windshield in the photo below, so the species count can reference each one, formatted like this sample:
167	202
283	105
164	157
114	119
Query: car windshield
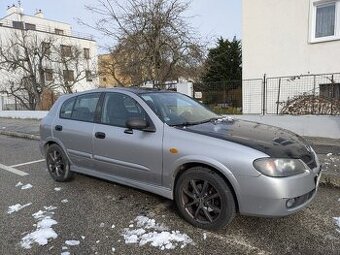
178	110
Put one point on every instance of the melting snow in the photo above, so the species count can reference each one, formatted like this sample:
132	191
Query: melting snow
64	201
65	253
19	184
27	186
57	189
337	222
113	226
148	231
44	230
204	236
113	249
83	237
329	154
16	208
72	242
102	225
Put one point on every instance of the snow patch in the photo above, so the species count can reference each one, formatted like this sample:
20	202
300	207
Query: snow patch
65	253
337	223
72	242
27	186
113	249
204	236
101	225
83	237
43	232
113	225
19	184
57	189
329	154
148	231
16	208
64	201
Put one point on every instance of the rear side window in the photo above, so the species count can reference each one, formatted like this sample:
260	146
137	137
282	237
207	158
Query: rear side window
66	108
85	107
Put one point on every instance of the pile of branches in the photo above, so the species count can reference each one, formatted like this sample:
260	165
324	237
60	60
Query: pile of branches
310	104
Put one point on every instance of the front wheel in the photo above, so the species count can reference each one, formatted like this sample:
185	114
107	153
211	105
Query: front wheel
58	164
204	199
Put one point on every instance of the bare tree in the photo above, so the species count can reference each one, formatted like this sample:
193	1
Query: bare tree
153	41
31	64
70	66
22	59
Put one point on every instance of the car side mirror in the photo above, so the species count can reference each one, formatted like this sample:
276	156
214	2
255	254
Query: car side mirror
139	124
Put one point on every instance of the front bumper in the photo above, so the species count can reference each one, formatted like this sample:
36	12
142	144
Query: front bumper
272	197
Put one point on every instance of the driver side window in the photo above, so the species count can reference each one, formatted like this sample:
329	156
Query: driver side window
119	108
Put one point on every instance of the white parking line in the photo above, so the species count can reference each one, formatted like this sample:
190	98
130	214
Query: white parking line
12	170
29	163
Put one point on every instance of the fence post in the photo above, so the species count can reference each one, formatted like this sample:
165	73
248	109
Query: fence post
264	95
278	98
313	101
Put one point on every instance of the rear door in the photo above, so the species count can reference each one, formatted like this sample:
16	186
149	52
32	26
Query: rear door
74	128
120	152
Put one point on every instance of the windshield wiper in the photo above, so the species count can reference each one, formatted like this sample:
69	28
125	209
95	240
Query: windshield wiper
188	123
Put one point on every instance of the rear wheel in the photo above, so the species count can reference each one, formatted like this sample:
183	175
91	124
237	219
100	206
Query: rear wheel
58	164
204	199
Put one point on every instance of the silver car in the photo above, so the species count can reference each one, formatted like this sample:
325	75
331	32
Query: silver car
169	144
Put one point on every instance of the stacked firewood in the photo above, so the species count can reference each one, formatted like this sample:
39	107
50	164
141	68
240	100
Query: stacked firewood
310	104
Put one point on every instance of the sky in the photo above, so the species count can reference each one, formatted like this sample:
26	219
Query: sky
211	18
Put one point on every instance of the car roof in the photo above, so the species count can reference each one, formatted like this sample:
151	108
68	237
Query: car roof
135	90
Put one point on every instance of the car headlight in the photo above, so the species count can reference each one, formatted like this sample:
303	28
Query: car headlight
280	167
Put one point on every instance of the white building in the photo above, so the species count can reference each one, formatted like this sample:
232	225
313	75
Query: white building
289	38
59	34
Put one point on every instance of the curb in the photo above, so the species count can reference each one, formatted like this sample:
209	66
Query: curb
327	179
20	135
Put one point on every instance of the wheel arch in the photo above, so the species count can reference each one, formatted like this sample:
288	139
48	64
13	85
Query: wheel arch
226	175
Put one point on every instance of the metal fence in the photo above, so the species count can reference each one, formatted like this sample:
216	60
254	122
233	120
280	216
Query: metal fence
297	95
221	97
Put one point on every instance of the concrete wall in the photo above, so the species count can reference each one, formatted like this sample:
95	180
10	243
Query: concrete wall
276	41
307	125
23	114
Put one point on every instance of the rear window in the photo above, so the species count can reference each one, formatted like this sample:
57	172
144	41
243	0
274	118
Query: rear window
81	108
85	107
66	108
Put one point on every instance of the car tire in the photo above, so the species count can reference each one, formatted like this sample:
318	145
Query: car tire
58	164
204	199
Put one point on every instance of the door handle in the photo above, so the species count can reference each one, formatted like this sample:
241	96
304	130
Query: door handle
100	135
58	128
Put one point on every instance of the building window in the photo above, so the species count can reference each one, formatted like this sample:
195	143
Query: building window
46	48
88	75
86	53
68	75
66	51
325	21
59	31
48	74
18	24
30	26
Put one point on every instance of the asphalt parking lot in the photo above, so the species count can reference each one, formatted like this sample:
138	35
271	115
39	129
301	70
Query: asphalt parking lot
92	216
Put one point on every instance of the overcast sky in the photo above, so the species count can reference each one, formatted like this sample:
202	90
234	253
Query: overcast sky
212	18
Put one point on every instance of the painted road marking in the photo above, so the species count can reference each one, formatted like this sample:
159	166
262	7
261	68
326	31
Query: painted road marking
12	170
29	163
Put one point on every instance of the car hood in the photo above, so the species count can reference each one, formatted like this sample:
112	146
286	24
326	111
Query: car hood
275	142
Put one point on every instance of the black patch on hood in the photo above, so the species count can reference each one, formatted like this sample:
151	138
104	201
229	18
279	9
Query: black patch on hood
275	142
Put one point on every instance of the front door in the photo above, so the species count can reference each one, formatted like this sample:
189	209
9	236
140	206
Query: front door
124	153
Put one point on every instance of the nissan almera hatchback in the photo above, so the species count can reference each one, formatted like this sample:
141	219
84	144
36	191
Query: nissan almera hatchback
169	144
